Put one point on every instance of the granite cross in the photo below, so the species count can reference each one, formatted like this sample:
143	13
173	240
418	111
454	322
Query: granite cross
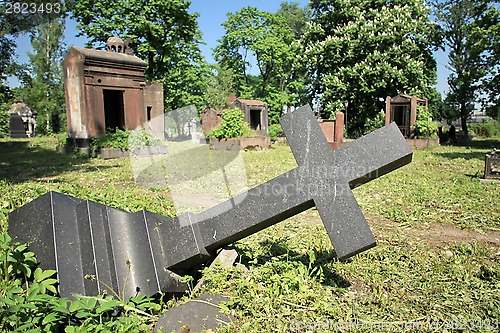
82	238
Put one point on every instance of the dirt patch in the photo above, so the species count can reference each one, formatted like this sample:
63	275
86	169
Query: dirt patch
436	235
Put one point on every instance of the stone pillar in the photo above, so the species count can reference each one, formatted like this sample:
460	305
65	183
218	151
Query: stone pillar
413	116
339	127
388	110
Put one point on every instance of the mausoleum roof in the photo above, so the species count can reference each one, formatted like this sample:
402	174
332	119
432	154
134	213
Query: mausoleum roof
251	101
110	56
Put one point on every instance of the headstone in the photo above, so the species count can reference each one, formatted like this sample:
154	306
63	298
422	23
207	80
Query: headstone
17	129
150	251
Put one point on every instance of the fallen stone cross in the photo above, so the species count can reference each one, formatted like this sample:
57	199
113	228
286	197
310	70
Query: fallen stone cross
82	238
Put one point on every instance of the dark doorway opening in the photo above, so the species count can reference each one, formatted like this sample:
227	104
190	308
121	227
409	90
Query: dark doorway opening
114	115
400	114
255	120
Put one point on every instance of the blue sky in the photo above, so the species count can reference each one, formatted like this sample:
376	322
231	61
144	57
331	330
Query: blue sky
212	13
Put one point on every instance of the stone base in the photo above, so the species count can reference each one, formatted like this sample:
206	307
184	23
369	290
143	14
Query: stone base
110	153
258	142
489	180
422	143
18	134
333	145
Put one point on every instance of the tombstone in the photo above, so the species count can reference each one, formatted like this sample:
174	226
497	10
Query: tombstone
333	130
452	133
55	120
210	118
81	237
28	119
16	127
492	165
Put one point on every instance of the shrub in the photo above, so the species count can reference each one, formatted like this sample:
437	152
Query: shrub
4	120
142	138
232	125
29	301
375	123
117	139
275	130
126	139
486	129
424	126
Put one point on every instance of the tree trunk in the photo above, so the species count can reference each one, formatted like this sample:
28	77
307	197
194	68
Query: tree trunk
464	114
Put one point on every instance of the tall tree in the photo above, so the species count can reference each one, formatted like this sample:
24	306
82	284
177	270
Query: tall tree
466	58
220	86
265	40
42	84
165	35
295	16
489	29
361	51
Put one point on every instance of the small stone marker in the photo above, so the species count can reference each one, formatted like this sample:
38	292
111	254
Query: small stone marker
79	238
195	316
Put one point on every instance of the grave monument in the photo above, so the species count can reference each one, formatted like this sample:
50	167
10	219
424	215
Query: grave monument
82	238
106	90
402	109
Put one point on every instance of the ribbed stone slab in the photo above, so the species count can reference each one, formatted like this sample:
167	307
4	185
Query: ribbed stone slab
150	251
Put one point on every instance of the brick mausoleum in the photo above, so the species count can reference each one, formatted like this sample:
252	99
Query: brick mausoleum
106	90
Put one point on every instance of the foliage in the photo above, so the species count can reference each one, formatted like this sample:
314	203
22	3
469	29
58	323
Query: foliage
126	139
436	104
112	139
424	126
220	86
486	129
463	37
489	27
295	16
275	130
264	39
42	79
11	26
5	100
142	138
373	124
29	302
363	51
165	35
232	125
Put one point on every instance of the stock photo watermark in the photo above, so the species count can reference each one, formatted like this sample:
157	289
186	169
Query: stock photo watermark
469	325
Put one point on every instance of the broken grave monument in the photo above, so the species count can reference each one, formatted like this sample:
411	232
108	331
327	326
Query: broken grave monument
81	237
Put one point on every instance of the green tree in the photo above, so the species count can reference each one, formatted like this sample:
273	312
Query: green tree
42	83
295	16
361	51
165	35
219	87
489	29
5	102
11	25
466	58
264	39
436	104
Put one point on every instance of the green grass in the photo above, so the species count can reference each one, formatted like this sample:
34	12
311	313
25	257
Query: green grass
290	279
